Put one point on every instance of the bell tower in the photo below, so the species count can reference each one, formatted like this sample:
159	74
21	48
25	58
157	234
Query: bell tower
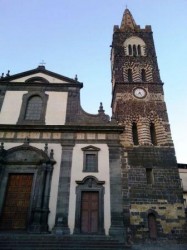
149	169
138	98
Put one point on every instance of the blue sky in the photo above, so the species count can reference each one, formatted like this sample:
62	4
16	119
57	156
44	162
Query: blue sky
74	37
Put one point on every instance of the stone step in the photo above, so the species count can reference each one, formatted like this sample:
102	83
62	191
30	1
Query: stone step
51	242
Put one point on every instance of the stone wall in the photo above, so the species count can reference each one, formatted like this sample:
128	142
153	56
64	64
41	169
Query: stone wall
163	196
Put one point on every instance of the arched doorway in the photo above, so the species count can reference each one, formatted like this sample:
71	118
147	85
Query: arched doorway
25	175
89	218
152	226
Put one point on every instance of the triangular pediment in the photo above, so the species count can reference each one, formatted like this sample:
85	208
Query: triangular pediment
38	75
90	148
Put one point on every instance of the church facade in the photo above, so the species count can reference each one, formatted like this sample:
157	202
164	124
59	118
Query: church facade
65	171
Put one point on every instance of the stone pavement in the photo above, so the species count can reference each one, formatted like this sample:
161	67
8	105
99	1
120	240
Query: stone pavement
157	246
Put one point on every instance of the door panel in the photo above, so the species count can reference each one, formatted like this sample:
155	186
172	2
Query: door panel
152	226
17	202
89	212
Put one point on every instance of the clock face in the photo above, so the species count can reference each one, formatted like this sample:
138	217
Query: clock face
139	92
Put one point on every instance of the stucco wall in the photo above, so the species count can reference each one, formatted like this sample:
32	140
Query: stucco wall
55	112
11	107
78	174
49	78
56	108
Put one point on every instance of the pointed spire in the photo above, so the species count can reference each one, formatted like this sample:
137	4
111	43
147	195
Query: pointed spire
128	21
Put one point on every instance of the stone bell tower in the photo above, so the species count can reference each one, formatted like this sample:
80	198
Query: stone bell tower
152	192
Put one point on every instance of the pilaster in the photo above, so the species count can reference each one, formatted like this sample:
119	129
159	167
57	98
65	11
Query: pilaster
62	210
117	225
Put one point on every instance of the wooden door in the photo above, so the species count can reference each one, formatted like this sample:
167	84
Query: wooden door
89	212
152	226
17	202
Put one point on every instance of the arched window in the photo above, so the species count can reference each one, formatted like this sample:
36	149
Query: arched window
130	75
153	134
152	226
34	108
135	133
143	73
130	50
135	46
37	79
134	50
139	50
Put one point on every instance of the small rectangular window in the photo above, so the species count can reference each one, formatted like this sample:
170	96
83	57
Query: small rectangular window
149	176
90	163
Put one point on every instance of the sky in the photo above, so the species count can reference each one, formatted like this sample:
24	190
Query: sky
74	37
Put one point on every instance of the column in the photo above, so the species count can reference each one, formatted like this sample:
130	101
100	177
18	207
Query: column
37	211
45	207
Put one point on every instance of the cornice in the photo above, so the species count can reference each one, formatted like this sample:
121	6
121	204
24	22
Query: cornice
62	128
38	86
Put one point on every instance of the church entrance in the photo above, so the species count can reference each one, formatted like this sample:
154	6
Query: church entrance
17	202
89	212
89	216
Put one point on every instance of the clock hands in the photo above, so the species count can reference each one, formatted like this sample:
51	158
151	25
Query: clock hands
139	92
